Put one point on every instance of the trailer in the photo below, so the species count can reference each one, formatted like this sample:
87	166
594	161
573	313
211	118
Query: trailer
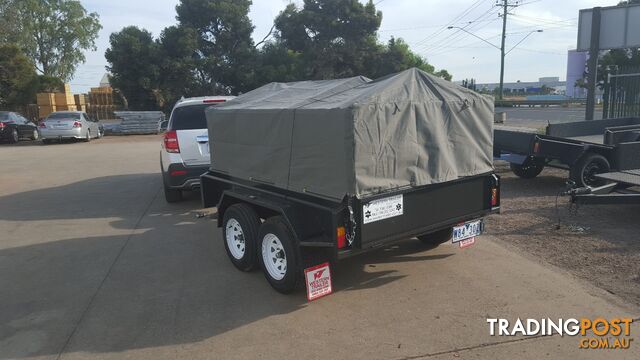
585	148
313	172
621	188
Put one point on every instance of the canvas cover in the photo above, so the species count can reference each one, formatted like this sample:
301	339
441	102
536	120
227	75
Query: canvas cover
354	136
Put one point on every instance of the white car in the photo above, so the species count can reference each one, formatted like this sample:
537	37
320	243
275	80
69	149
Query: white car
185	148
69	125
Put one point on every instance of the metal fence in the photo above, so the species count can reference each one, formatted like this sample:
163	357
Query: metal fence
622	94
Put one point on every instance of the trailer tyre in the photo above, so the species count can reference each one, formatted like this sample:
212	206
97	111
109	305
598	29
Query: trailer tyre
240	233
531	168
584	170
436	238
278	255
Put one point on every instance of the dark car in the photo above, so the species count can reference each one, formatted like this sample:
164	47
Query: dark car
14	127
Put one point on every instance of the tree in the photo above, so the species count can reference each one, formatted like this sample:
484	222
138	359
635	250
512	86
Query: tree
225	55
18	78
54	33
338	38
335	37
178	47
133	58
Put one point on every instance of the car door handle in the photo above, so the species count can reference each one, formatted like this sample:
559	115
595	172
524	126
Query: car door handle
202	139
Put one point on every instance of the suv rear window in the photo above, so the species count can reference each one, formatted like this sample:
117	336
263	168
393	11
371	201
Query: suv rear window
66	116
189	117
5	115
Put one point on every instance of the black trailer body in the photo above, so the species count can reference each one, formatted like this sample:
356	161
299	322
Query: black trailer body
316	171
315	221
585	148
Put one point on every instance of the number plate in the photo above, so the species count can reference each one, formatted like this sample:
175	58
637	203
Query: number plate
467	230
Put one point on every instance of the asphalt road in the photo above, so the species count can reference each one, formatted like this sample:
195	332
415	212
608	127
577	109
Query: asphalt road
94	264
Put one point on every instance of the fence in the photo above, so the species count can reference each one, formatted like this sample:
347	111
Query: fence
622	94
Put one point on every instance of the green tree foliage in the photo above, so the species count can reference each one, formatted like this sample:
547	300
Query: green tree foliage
338	38
18	78
210	51
53	33
225	53
49	84
133	58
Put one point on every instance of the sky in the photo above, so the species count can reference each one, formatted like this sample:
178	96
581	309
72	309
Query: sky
422	23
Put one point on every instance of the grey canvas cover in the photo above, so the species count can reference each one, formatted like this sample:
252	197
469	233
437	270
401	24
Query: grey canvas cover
354	136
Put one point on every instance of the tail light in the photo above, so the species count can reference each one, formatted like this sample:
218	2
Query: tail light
171	142
494	196
178	173
42	125
341	235
1	125
77	124
536	148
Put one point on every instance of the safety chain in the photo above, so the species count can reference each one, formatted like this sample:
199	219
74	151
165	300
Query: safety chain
351	233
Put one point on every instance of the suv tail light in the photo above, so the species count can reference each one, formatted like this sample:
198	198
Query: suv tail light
171	142
77	124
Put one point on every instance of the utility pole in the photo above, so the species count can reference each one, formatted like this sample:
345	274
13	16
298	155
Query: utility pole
505	9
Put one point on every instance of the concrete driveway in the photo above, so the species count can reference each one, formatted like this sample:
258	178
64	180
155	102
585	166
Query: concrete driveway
95	264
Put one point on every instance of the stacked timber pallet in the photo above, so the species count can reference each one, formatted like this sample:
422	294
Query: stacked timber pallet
46	104
58	101
81	101
101	102
140	122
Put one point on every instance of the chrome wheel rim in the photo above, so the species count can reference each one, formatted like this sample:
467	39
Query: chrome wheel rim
274	257
235	239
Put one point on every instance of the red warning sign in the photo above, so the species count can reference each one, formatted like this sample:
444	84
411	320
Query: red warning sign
318	280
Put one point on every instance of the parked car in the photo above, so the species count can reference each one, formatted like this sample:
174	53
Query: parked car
14	127
69	125
185	149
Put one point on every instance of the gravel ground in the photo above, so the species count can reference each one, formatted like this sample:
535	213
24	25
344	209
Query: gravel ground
599	244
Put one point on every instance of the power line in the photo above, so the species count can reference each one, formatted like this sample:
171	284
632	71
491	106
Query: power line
457	18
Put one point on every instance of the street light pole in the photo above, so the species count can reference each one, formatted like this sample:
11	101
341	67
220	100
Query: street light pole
505	8
501	48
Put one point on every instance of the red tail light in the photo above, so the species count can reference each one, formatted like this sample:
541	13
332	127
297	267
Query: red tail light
77	124
494	197
1	125
341	235
178	173
171	142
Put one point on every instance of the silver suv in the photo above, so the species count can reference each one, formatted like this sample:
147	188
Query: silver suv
185	147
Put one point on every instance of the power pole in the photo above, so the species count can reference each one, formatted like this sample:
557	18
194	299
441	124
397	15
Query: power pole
505	9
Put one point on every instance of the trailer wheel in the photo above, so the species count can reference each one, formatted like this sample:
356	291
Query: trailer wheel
531	168
278	255
584	170
436	238
240	232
